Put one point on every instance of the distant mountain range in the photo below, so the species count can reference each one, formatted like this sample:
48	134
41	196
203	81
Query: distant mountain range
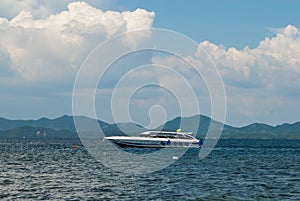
63	127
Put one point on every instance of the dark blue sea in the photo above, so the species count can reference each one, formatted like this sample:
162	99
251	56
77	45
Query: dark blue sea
235	170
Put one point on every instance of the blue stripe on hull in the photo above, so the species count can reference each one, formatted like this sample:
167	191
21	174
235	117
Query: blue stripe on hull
143	145
158	144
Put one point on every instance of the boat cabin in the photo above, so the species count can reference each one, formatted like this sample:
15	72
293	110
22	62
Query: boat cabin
165	134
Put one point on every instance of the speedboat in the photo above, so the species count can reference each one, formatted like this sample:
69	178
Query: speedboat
157	139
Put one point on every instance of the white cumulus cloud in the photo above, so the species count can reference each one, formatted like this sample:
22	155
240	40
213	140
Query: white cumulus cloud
52	48
273	64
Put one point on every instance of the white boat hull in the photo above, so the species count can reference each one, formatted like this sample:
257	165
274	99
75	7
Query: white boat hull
124	141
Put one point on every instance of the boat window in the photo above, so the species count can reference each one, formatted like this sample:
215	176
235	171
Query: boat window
189	137
166	135
184	137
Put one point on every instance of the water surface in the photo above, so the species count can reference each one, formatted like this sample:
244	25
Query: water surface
235	170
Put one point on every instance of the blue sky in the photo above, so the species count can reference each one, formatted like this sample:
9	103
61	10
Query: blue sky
255	45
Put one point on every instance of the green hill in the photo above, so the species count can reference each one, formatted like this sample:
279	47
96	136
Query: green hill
28	132
63	127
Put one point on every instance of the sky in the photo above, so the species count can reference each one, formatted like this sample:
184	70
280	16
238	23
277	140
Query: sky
255	46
